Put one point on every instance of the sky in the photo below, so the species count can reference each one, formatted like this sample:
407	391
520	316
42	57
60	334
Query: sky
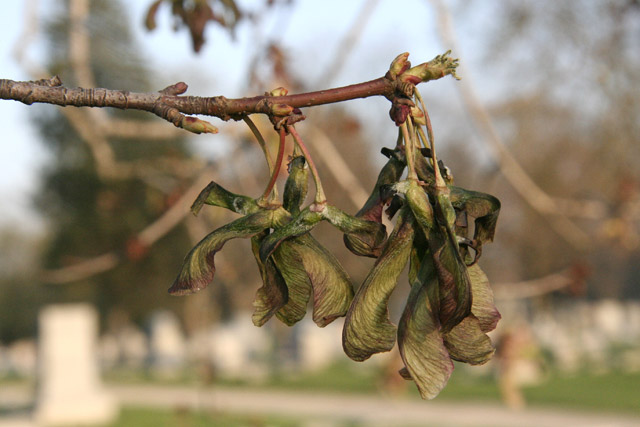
310	31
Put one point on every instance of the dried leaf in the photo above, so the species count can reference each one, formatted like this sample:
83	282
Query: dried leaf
289	262
363	237
273	294
367	329
300	224
390	174
421	346
303	259
424	168
454	281
485	208
467	342
198	267
215	195
455	284
296	187
306	266
372	209
419	252
482	306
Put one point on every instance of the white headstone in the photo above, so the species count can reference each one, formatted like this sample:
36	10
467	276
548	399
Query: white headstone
239	349
134	347
319	347
69	388
21	356
609	316
167	344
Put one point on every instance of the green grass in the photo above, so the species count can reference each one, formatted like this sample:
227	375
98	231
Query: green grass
343	376
609	392
143	417
340	377
463	386
615	391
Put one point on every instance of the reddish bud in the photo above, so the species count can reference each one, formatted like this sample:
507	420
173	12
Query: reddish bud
399	65
195	125
399	113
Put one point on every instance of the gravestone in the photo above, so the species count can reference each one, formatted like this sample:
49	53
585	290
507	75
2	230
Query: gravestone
240	350
21	358
69	389
167	344
319	347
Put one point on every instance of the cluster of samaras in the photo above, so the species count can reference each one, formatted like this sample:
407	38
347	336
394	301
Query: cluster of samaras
450	306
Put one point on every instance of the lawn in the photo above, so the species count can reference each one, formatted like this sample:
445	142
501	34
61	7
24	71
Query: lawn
607	392
144	417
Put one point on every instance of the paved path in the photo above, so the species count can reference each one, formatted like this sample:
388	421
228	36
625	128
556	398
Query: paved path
324	407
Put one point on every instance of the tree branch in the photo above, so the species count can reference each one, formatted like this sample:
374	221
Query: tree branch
169	105
571	279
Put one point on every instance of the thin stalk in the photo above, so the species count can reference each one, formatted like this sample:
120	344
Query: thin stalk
272	168
423	137
399	139
261	141
276	168
414	138
320	198
436	170
296	151
409	151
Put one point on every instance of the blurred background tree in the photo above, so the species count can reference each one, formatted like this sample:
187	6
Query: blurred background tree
567	106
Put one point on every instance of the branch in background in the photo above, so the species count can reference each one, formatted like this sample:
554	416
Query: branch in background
82	270
537	198
571	279
347	44
334	163
136	246
84	120
330	155
30	29
156	130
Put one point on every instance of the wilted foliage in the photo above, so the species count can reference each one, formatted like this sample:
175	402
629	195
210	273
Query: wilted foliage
450	308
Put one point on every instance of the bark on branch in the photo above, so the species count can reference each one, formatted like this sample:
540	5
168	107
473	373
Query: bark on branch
170	105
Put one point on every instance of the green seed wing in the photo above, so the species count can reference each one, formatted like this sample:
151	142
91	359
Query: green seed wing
367	329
